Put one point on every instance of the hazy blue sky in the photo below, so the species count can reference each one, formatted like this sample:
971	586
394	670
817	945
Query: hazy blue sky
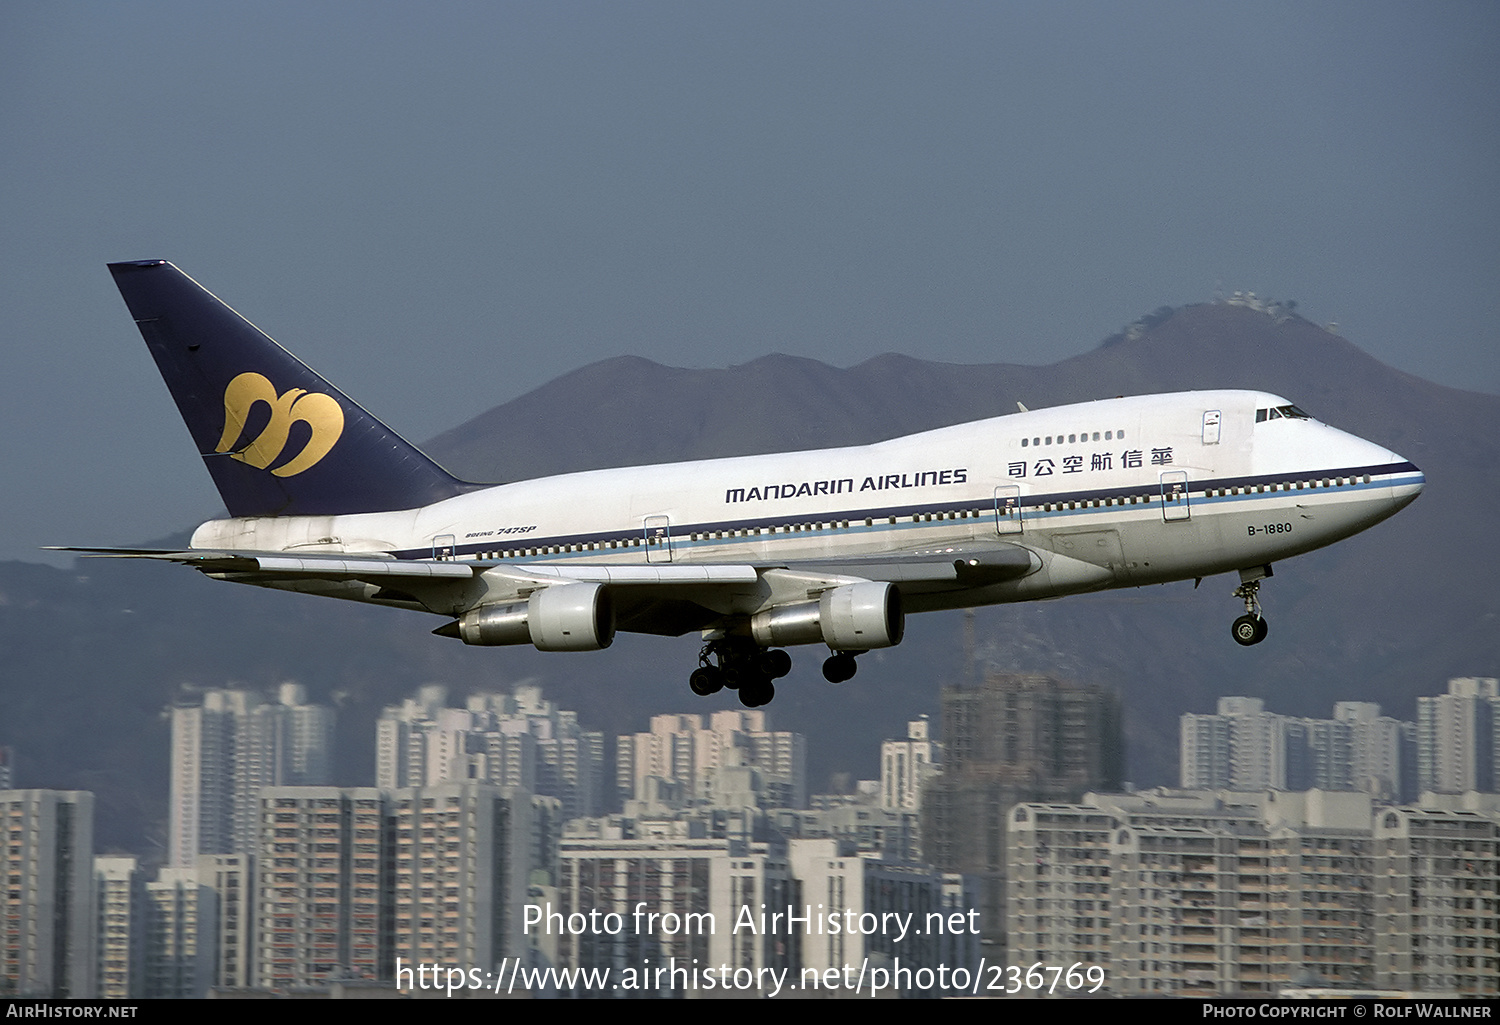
441	206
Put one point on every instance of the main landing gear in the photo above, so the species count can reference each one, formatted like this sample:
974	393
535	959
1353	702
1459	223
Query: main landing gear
1250	628
840	666
744	666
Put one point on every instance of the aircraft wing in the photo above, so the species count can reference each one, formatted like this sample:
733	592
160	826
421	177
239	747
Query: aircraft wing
333	567
668	598
330	566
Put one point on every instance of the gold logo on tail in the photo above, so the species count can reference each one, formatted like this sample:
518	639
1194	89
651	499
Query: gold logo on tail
320	412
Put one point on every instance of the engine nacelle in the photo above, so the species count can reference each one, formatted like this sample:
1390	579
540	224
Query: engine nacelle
571	617
855	617
563	617
495	624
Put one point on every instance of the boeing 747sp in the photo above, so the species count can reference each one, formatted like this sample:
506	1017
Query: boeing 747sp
757	553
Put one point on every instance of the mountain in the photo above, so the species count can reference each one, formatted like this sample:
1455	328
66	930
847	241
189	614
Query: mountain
92	656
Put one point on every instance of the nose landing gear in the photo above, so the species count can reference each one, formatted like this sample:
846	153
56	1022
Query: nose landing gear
1251	628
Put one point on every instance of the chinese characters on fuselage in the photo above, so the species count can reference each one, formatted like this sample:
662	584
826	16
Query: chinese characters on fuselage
1130	459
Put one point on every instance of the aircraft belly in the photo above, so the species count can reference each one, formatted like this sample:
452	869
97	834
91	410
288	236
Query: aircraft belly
1100	547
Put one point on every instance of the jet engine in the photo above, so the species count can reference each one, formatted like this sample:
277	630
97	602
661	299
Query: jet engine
563	617
854	617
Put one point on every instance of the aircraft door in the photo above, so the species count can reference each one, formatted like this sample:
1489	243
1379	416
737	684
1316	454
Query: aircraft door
443	547
1211	420
1174	496
1008	509
658	539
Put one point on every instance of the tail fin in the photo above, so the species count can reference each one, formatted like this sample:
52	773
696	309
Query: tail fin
277	438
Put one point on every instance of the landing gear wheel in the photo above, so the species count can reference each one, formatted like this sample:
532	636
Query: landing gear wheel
736	675
840	667
1249	630
775	663
758	692
738	663
706	680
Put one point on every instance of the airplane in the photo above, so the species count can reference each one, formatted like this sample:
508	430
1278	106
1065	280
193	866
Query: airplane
756	553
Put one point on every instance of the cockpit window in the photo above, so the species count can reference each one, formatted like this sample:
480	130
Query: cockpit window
1279	413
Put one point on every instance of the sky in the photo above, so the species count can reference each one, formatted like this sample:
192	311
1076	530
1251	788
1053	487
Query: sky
443	206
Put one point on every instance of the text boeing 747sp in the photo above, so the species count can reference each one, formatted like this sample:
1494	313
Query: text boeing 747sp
758	553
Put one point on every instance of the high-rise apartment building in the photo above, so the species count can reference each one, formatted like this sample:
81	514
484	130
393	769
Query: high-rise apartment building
180	934
1382	751
1013	738
1212	894
831	876
1244	747
672	870
156	938
462	853
692	901
119	900
905	765
1437	897
228	746
1458	737
349	880
509	741
685	752
323	886
857	822
231	877
47	940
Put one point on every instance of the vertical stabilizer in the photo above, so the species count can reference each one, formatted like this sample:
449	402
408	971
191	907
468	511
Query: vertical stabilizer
278	439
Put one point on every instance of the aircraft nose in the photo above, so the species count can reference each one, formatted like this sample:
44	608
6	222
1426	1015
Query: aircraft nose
1406	480
1407	492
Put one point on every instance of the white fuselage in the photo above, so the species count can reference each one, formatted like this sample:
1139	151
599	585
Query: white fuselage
1111	493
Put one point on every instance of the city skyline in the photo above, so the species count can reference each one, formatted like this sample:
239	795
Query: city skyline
339	883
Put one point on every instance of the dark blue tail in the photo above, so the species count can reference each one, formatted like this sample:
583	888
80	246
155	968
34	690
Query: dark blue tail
277	438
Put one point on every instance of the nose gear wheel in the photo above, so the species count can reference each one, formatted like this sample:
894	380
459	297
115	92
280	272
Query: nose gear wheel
1250	628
